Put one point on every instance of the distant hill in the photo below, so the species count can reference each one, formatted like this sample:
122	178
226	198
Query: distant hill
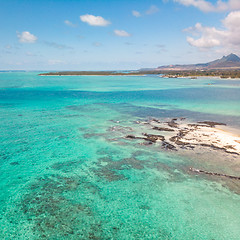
226	67
231	61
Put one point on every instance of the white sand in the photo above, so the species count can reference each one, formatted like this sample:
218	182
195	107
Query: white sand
200	134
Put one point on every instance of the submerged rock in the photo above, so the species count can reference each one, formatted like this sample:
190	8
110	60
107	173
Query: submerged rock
163	129
213	173
182	134
168	146
212	124
153	138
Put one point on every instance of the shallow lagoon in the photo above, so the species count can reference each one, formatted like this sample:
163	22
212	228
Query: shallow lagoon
65	174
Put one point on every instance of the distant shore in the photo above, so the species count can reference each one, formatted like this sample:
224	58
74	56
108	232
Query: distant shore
93	73
233	74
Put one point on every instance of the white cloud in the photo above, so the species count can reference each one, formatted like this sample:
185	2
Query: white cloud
232	21
26	37
70	24
227	38
234	4
203	42
136	13
94	20
121	33
203	5
207	6
152	10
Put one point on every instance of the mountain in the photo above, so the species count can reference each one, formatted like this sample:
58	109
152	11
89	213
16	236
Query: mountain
231	61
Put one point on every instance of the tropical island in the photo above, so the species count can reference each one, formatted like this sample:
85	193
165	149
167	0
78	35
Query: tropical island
226	67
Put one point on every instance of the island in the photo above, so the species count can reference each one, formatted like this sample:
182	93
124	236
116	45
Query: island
226	67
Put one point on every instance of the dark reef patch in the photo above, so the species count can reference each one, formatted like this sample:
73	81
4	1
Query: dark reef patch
53	212
67	166
109	169
14	163
71	116
92	135
144	207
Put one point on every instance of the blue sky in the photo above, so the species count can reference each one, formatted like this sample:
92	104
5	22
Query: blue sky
115	34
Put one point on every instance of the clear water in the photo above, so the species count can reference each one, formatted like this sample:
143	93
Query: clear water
66	175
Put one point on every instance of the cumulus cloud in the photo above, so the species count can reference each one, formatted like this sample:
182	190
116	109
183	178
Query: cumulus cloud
94	20
232	21
209	37
234	4
207	6
70	24
121	33
152	10
26	37
136	13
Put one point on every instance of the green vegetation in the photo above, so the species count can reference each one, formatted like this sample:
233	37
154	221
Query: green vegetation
204	73
231	73
99	73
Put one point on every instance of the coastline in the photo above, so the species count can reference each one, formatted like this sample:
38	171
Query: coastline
51	75
221	74
180	134
204	76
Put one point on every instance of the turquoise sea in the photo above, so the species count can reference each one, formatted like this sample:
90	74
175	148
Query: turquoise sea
67	172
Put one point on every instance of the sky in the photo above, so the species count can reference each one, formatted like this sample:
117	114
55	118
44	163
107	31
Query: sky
115	34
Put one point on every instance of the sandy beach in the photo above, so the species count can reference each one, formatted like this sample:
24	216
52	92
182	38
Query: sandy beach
179	133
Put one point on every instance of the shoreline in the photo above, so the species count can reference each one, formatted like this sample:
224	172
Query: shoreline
169	75
193	77
51	75
142	75
180	134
